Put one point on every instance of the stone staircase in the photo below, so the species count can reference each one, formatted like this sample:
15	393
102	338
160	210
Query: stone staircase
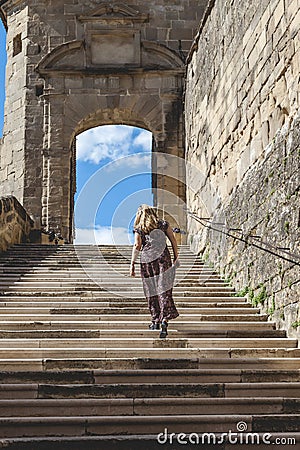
79	368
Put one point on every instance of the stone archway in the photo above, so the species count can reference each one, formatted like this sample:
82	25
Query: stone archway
86	64
149	99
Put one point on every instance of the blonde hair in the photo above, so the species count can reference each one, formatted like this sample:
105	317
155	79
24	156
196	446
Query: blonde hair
146	219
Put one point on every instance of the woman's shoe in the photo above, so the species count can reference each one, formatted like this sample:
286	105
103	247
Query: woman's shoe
154	326
164	331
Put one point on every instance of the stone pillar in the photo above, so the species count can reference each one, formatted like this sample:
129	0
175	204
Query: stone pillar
12	156
56	171
170	165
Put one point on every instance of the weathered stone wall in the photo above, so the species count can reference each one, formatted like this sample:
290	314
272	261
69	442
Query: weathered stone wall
12	155
108	62
15	223
242	125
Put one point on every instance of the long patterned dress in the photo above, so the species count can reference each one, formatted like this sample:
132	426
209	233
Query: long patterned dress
158	273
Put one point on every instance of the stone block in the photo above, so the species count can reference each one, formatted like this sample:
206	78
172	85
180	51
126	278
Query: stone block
73	83
176	34
231	180
265	17
113	82
153	82
151	34
280	92
243	163
292	10
278	13
256	147
265	129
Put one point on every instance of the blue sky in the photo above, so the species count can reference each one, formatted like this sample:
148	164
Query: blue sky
113	179
117	157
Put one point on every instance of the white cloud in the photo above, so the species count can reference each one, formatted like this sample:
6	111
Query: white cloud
143	140
111	142
136	161
102	235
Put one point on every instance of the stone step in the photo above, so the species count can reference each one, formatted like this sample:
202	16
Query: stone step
116	275
55	304
273	361
113	249
83	267
9	275
108	247
150	376
145	406
97	264
70	285
91	253
47	270
114	297
147	442
192	278
120	279
208	317
140	325
89	250
104	291
80	260
7	281
107	425
29	261
144	342
124	309
91	260
160	349
195	376
88	333
160	390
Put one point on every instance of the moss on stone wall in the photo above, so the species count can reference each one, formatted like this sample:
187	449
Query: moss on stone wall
242	126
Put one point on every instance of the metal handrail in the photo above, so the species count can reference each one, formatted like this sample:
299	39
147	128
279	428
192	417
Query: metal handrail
270	248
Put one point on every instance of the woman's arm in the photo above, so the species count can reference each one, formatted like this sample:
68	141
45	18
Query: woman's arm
173	241
135	252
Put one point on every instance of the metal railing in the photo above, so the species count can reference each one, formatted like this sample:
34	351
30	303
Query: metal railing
262	245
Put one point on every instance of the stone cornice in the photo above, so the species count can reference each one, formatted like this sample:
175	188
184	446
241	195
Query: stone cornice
167	61
5	5
111	20
110	71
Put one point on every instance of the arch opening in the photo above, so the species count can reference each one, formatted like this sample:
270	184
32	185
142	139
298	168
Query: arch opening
112	174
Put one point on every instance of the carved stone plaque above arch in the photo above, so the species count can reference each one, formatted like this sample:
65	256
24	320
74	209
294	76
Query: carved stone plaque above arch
109	15
114	48
112	35
108	50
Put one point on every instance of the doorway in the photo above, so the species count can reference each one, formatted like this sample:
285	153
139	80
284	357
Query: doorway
113	177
